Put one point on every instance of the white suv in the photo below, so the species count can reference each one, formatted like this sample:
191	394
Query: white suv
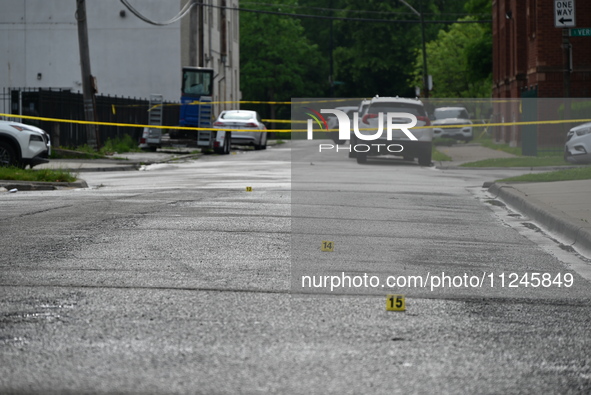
22	145
450	117
578	144
420	149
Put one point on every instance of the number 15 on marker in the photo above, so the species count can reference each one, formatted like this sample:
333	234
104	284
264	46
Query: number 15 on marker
395	303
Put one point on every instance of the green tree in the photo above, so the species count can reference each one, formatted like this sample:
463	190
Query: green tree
479	52
378	57
277	62
453	62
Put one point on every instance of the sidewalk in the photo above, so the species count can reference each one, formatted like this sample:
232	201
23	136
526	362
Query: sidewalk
124	162
466	153
562	207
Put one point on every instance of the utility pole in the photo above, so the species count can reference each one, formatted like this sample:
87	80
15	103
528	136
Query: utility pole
331	71
425	72
201	35
88	86
194	27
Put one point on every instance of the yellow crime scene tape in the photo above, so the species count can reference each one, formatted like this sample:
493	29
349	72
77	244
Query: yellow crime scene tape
129	125
197	102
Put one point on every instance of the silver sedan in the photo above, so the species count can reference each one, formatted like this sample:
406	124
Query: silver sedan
246	127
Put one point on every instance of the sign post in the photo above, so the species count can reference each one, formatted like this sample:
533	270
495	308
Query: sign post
564	13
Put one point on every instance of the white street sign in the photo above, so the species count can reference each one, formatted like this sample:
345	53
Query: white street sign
564	13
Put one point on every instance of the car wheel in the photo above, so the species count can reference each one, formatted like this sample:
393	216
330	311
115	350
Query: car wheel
264	146
361	158
425	157
7	155
225	150
352	152
262	143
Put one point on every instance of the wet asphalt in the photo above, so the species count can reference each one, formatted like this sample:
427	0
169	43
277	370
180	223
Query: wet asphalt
174	279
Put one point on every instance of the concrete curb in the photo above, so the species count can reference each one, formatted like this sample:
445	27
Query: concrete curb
576	233
541	168
97	169
40	185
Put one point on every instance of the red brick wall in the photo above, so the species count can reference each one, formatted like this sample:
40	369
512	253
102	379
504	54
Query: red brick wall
529	54
528	50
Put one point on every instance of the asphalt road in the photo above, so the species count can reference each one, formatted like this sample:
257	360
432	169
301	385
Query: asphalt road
175	279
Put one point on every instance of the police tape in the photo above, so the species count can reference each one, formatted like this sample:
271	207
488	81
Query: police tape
197	102
129	125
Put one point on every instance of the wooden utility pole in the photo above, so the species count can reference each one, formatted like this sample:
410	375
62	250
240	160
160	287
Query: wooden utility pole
88	85
193	31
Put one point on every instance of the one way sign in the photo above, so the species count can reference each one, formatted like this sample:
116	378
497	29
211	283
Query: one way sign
564	13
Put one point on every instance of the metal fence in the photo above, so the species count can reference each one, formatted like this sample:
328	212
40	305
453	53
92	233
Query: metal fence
67	105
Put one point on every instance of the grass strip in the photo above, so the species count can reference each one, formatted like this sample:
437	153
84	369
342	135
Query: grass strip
581	173
439	156
519	161
45	175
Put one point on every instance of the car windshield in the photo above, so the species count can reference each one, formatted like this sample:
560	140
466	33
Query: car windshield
441	113
376	108
240	116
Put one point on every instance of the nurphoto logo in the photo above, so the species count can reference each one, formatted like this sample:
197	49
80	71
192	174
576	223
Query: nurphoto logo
394	121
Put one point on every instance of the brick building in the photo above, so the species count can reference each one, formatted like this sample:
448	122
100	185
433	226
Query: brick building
532	58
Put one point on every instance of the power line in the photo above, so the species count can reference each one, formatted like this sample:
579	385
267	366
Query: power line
354	11
338	18
186	8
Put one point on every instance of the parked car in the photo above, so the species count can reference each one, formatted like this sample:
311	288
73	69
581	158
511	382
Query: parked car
578	144
450	116
333	123
361	110
420	149
22	145
254	133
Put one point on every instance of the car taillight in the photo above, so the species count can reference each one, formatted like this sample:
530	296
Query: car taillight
218	123
251	124
424	119
142	141
368	116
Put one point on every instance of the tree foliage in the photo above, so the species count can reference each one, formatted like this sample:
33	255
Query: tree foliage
456	62
285	56
277	61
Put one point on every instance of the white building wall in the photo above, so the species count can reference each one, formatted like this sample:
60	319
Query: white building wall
227	72
129	57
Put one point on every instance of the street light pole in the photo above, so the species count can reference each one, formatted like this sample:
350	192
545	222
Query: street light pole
425	72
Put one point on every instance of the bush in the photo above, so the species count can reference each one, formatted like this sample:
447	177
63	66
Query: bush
119	144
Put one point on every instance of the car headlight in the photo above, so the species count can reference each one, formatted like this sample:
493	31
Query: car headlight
583	132
35	137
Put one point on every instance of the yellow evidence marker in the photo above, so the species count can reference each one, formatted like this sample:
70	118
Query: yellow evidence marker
395	303
248	189
327	246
